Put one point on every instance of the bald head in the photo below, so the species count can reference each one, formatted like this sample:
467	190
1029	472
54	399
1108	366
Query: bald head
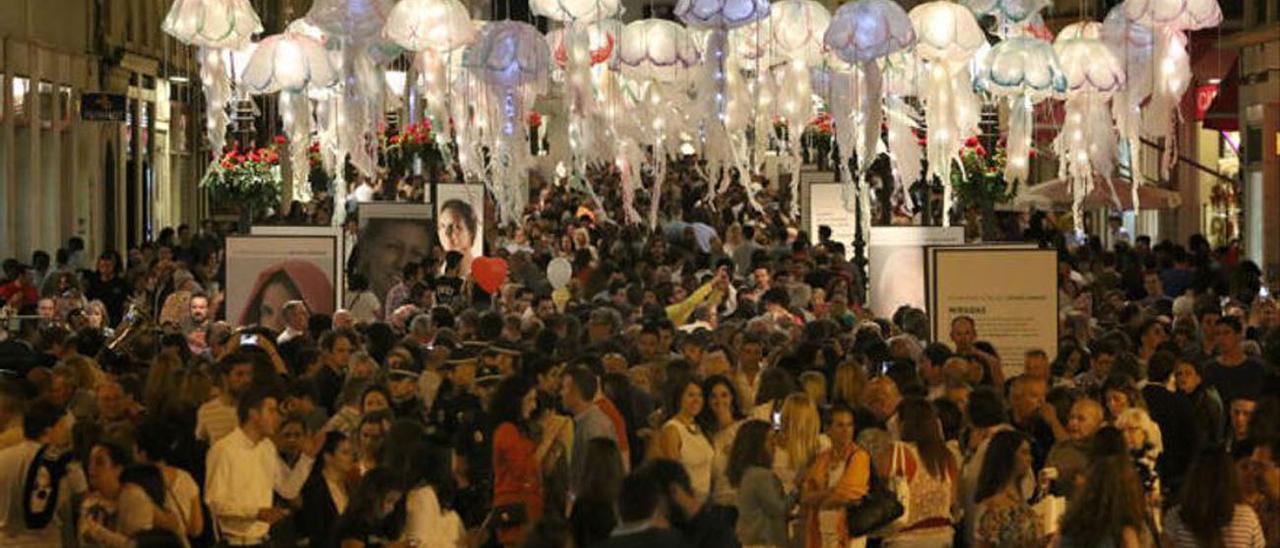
1085	419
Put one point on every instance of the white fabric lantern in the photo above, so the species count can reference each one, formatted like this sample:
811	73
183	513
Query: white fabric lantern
581	11
869	29
1086	142
721	14
1169	21
215	26
288	62
1025	70
359	21
439	25
947	37
656	49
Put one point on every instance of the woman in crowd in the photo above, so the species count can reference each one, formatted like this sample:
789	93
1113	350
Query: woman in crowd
372	434
721	418
838	477
1120	394
1002	516
592	518
429	520
1145	443
762	505
800	439
682	440
360	300
327	492
1109	510
121	504
157	443
921	457
517	474
1210	419
1211	509
375	513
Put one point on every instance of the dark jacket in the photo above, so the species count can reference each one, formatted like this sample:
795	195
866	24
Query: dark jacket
1175	416
318	514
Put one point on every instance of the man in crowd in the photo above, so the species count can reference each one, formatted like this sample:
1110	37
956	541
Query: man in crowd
1070	456
244	470
217	417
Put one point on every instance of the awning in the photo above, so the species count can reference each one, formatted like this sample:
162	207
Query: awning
1224	112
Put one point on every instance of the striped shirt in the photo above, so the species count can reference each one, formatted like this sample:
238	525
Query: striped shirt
1244	531
214	420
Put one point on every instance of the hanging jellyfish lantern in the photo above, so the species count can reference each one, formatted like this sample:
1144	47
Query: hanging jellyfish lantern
289	64
948	37
1134	45
860	36
1086	143
903	121
432	29
512	61
717	17
796	29
1024	71
1169	21
216	27
657	57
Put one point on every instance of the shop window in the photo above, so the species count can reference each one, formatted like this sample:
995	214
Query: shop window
1253	145
20	86
44	93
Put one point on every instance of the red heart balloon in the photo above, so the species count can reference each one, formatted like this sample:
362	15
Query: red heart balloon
489	272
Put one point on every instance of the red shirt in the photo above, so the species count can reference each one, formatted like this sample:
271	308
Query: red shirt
29	294
517	478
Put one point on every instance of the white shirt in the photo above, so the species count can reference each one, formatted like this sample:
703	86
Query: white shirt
429	524
364	193
239	481
14	462
289	334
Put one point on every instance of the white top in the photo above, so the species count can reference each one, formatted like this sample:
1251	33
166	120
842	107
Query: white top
1244	531
696	454
364	306
429	524
179	496
722	492
240	479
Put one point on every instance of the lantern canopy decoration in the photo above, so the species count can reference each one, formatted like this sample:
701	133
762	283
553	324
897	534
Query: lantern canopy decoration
214	26
1169	21
1009	14
1085	145
512	62
579	11
948	36
861	34
1024	70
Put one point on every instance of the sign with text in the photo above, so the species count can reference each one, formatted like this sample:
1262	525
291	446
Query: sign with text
896	268
825	206
103	107
1011	292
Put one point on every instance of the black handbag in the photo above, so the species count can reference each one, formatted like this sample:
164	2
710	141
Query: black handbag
878	508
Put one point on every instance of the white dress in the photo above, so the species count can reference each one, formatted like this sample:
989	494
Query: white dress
697	456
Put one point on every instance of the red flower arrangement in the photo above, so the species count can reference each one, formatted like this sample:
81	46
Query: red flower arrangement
822	124
534	119
249	177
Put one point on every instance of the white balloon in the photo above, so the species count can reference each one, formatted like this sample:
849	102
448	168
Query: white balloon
559	271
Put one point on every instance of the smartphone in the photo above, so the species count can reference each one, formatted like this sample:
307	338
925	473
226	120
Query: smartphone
884	367
776	420
248	340
1264	292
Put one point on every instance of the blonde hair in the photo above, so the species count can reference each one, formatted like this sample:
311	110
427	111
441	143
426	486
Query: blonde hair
815	385
801	426
849	381
1136	417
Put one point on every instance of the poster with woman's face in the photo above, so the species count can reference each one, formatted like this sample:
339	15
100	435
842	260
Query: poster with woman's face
392	235
461	221
265	272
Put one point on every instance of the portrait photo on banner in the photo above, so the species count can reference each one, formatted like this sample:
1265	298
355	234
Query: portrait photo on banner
391	236
265	272
461	226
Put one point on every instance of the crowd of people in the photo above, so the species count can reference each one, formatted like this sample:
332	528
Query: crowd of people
714	383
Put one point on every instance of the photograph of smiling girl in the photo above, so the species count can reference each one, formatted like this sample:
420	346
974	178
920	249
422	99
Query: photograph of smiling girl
265	272
461	221
391	236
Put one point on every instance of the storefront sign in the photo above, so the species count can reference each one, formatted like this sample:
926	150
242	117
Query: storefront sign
103	107
1204	98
